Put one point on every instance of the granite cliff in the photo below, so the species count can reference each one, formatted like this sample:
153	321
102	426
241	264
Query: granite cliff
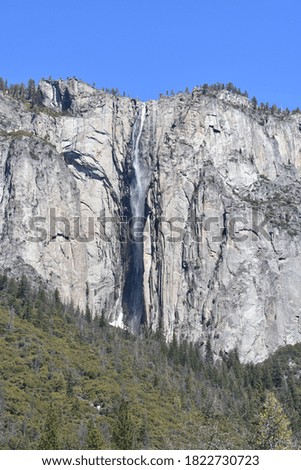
215	250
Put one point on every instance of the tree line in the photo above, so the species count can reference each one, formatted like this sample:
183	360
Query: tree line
30	92
212	90
19	90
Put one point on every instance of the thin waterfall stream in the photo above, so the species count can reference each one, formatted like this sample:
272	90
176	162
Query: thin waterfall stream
140	182
140	179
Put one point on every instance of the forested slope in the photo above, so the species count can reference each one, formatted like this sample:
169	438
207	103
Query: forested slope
70	382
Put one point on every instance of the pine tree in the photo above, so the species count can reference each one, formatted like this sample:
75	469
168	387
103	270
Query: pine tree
22	90
296	111
88	314
94	440
24	289
49	438
58	306
174	350
209	352
254	102
31	90
123	432
205	88
230	87
2	84
102	320
272	428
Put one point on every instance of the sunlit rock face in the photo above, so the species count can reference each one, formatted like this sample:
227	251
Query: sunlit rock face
215	186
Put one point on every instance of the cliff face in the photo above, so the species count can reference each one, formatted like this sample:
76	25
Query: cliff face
221	254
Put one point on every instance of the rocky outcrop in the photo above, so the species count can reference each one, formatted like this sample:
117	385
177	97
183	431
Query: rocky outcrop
221	251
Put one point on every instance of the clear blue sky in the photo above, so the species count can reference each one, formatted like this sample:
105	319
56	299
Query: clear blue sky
148	46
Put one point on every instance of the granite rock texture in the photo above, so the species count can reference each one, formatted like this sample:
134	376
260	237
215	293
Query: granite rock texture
222	238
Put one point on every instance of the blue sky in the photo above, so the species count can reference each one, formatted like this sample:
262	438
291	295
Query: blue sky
145	47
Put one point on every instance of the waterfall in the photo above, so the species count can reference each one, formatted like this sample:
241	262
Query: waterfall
139	183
